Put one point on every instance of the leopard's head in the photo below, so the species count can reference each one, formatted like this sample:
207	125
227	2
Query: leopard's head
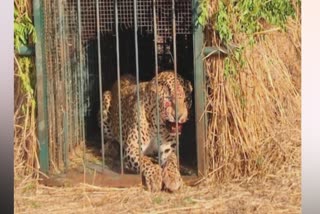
175	100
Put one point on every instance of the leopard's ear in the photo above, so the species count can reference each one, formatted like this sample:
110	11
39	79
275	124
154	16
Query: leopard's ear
187	86
162	84
151	85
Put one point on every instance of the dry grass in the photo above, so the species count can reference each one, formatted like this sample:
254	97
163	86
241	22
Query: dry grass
280	193
254	115
253	146
25	139
26	162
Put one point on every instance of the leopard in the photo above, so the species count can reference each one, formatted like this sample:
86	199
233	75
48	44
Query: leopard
146	128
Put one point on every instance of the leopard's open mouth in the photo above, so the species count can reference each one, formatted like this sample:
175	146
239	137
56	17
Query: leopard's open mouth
171	126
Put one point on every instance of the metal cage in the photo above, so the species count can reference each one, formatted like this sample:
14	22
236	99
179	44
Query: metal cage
85	45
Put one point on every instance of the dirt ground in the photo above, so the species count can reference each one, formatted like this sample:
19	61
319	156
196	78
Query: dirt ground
278	193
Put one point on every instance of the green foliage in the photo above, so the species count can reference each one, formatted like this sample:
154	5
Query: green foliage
233	62
223	22
25	137
235	17
24	31
203	13
247	16
25	75
276	12
24	34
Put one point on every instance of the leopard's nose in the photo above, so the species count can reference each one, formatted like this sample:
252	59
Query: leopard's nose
182	120
180	117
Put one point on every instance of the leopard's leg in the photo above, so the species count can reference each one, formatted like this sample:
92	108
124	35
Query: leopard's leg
171	176
168	145
150	171
109	145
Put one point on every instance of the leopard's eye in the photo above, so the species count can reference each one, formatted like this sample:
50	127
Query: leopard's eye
188	101
167	150
169	98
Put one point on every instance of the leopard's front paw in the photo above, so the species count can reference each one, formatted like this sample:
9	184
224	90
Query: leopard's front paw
151	174
171	176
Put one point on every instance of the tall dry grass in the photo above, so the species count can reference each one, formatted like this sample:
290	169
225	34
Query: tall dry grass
255	114
26	163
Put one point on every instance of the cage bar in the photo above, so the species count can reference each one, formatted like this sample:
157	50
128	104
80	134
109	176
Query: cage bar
199	89
155	33
64	68
119	93
81	78
137	73
174	36
100	80
41	86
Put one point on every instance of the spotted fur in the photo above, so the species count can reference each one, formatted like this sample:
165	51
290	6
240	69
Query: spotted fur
171	176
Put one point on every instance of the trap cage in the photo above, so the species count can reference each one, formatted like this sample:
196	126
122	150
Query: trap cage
84	46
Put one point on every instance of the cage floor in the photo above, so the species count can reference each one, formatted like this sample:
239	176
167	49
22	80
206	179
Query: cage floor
91	171
94	157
